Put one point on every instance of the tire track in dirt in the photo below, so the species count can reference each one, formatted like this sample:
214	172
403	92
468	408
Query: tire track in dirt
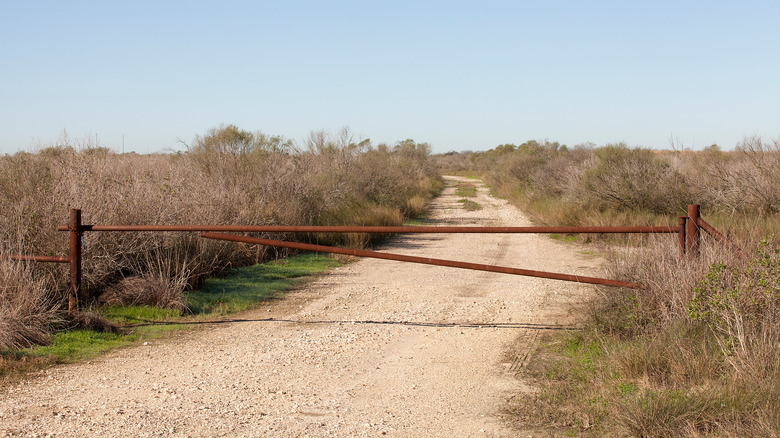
373	348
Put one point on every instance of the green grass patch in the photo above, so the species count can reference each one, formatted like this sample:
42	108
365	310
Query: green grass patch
244	287
421	220
466	190
124	315
564	368
78	345
564	237
470	205
418	221
495	194
239	290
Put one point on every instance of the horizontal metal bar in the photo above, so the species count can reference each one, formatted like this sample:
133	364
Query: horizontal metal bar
33	258
423	260
370	229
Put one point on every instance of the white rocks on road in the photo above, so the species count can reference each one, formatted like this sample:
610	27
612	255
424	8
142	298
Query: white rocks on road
374	348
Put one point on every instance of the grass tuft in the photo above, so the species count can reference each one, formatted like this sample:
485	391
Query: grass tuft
470	205
467	190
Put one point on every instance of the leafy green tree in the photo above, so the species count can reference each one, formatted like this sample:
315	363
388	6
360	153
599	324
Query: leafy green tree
231	140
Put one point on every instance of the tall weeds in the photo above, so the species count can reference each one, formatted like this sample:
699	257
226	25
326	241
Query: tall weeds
619	185
227	176
708	332
27	311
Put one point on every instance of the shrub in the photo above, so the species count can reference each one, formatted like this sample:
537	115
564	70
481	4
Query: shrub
747	179
741	303
228	176
634	179
696	350
27	311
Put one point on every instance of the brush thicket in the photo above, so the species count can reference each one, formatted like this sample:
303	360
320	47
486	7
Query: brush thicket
228	176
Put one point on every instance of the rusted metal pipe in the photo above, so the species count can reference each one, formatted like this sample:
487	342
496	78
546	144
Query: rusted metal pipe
423	260
681	235
718	236
711	231
372	229
74	229
34	258
693	235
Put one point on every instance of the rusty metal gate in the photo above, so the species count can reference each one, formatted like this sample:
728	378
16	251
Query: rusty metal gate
687	229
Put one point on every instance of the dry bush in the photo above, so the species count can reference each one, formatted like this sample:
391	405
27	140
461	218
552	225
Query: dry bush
27	311
618	178
561	177
148	291
228	176
696	351
509	165
667	280
747	179
634	179
740	301
452	163
91	321
702	336
735	296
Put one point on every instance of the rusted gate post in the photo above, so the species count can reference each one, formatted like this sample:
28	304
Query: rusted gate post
693	234
75	233
681	234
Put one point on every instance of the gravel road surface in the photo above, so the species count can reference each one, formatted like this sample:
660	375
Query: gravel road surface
373	348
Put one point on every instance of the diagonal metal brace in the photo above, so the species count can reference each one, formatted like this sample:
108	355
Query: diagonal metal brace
422	260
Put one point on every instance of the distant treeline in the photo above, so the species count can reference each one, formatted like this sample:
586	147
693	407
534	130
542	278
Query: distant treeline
573	186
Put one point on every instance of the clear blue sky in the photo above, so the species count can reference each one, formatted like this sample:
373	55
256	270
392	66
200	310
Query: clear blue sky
458	75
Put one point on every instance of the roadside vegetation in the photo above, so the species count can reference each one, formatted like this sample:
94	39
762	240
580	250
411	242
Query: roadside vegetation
696	351
470	205
225	176
127	324
467	190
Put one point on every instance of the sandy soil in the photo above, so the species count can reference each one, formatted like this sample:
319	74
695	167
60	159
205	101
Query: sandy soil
373	348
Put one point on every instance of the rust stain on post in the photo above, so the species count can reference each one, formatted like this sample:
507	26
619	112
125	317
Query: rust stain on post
681	235
423	260
692	232
74	229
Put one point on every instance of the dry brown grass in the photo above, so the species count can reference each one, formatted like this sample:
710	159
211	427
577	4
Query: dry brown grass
147	290
588	186
696	351
27	311
228	176
706	333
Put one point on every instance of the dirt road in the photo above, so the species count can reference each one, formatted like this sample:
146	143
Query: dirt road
374	348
